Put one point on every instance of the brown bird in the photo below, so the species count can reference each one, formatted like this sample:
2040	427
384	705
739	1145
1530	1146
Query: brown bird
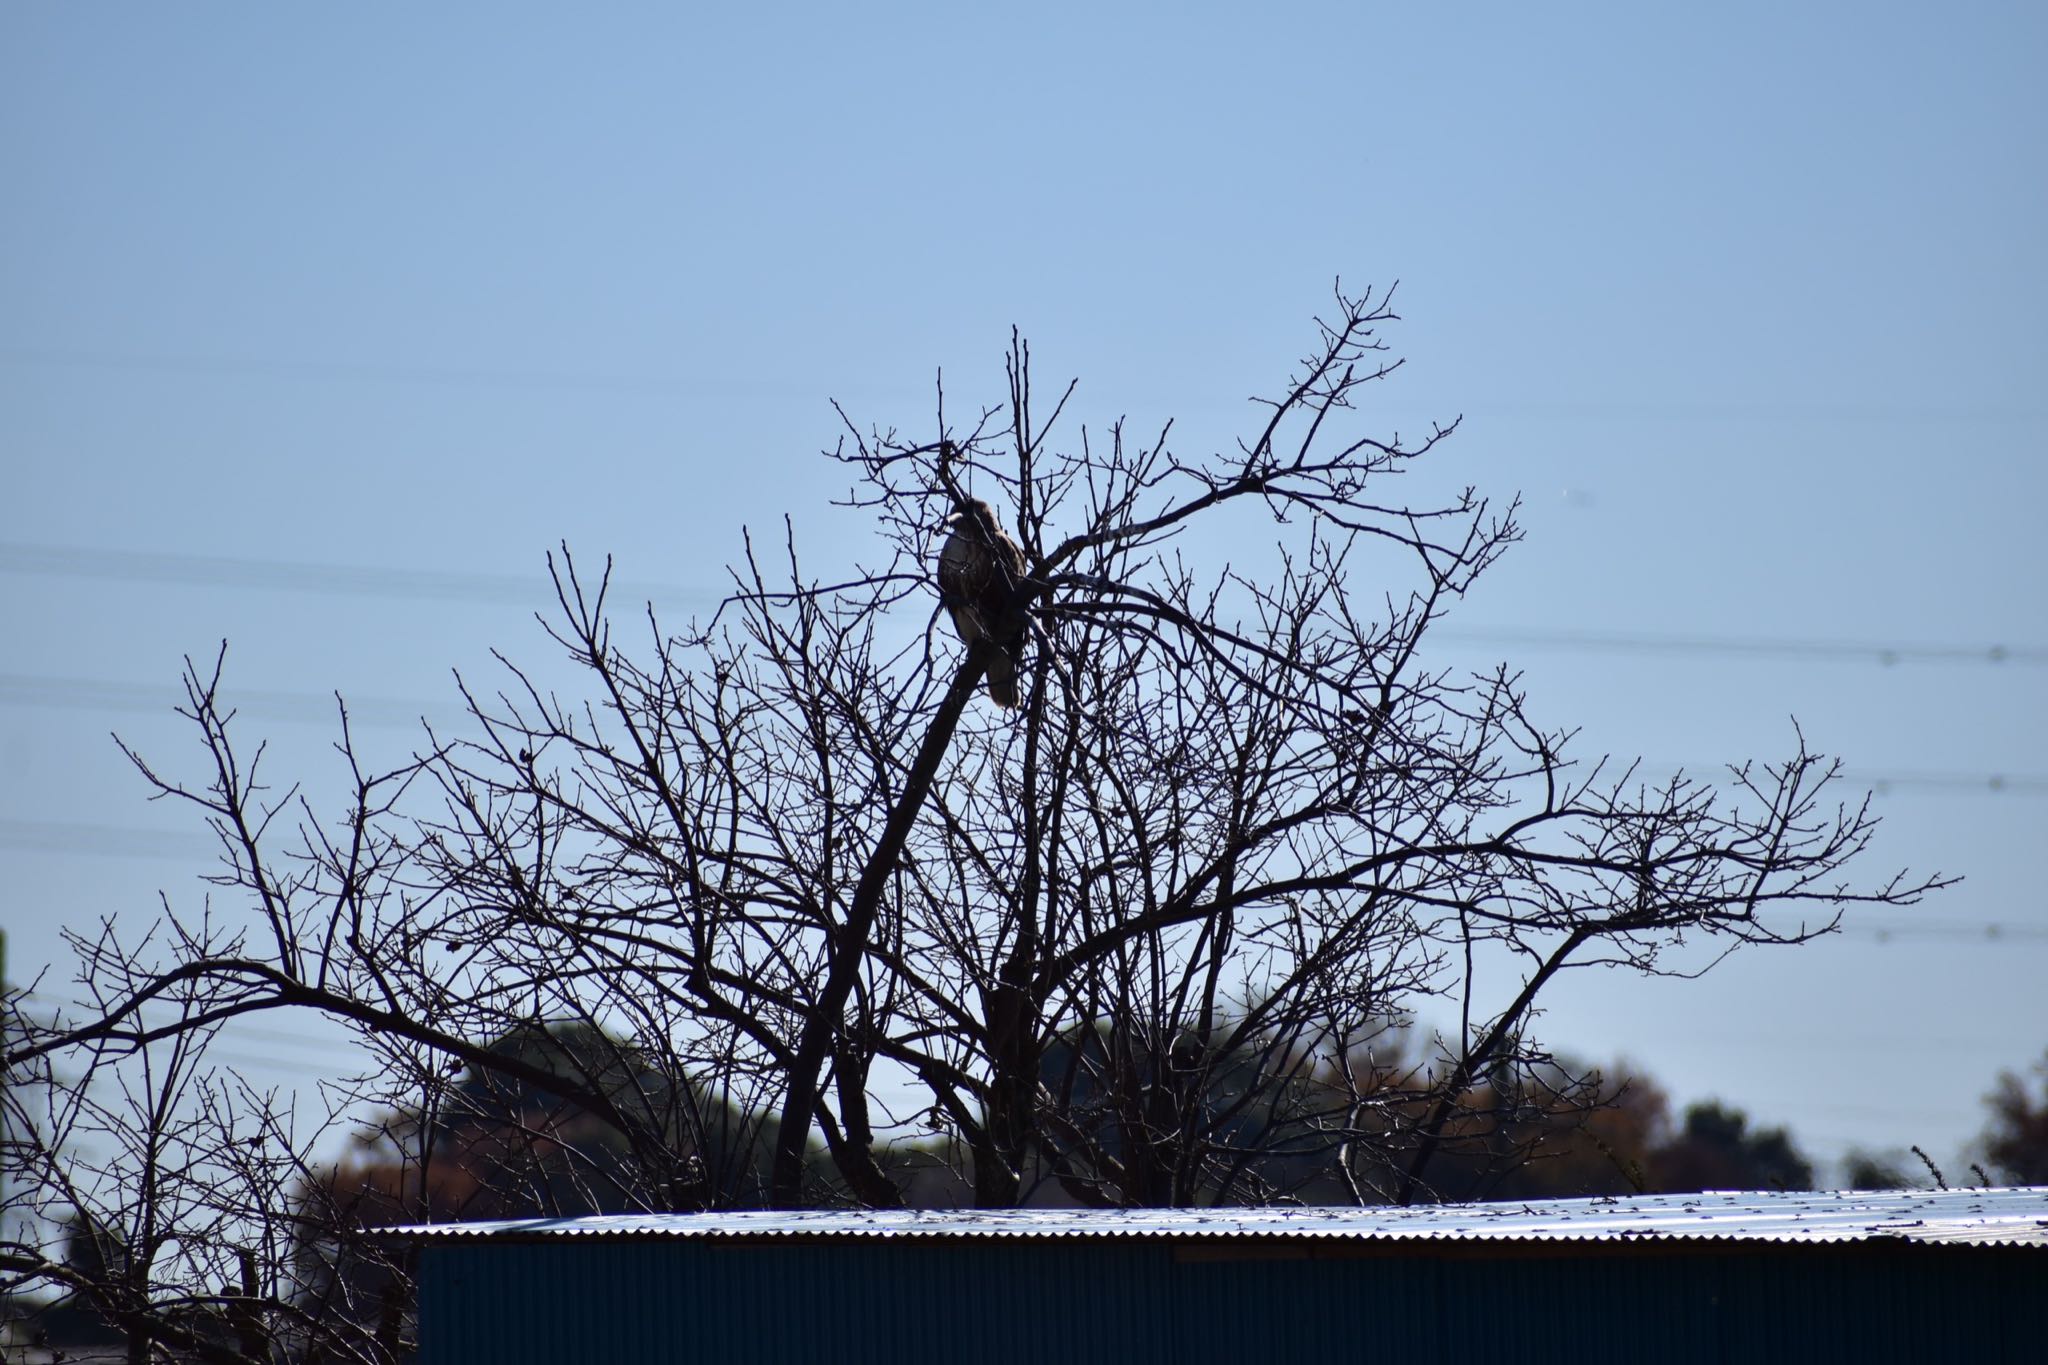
980	570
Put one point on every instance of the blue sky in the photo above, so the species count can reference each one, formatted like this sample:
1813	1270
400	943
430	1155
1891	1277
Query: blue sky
1747	302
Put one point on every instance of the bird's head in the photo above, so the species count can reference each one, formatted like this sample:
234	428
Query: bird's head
974	512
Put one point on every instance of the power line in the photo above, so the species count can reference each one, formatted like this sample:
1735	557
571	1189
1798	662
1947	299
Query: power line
466	586
129	841
96	694
1808	1040
1991	933
359	371
1867	651
2024	784
697	386
268	1033
342	580
104	841
99	694
1886	783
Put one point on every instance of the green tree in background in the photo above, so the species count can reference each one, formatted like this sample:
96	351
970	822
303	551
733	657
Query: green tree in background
2015	1141
1716	1149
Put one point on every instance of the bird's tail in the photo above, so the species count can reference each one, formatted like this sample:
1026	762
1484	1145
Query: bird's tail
1002	679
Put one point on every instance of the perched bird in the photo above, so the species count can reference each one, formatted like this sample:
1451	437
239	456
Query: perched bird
980	571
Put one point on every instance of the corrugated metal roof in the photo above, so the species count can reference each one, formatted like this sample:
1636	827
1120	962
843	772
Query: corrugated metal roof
1984	1217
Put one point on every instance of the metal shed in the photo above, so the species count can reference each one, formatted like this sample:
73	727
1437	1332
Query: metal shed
1815	1276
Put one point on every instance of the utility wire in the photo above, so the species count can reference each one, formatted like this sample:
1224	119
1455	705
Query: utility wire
1865	651
105	841
1881	783
269	1031
99	694
342	580
359	372
464	586
356	371
1986	934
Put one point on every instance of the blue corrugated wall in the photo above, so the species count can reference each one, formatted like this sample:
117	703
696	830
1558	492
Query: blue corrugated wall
585	1299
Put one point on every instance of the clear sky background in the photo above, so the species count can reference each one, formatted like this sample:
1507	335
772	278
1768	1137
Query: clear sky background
319	327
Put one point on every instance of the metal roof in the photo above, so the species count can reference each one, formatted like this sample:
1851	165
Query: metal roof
1984	1217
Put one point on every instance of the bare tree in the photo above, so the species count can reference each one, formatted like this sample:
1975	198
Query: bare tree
175	1184
1151	937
